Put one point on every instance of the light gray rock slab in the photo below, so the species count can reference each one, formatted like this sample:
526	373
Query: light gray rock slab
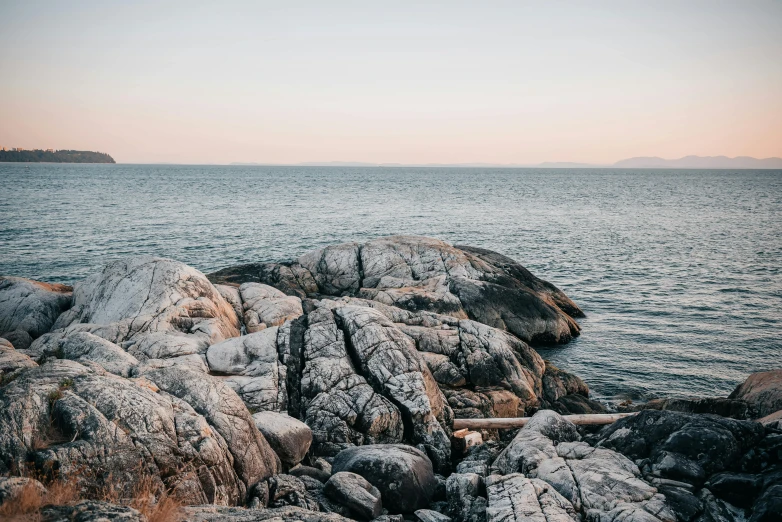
145	294
289	437
31	306
356	493
253	369
85	346
253	458
265	306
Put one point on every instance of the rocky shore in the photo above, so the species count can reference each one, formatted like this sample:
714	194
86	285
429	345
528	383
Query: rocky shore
325	389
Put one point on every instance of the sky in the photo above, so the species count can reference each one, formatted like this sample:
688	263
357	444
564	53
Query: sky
407	82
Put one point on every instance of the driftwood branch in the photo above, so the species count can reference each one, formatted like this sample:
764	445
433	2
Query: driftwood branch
518	422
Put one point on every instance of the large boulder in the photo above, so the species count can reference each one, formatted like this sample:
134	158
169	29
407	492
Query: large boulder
92	427
253	458
289	437
598	481
419	273
707	441
763	391
403	474
28	308
142	295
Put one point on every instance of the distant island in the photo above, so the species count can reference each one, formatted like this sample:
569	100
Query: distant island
687	162
54	156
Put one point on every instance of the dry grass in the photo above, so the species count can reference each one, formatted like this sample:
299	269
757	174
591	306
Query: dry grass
144	496
26	505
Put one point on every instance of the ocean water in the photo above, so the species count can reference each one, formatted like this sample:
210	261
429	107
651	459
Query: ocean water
679	272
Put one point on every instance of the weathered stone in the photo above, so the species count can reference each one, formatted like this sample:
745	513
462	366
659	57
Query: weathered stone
12	360
66	417
429	515
604	483
83	347
283	514
250	365
254	460
340	407
763	391
353	491
515	498
393	367
403	474
265	306
31	306
289	437
233	297
91	511
419	273
287	490
12	487
145	294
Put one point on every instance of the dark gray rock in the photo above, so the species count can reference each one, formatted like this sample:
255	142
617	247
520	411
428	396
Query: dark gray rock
403	474
308	471
739	489
677	467
768	506
466	497
287	490
683	503
714	443
355	492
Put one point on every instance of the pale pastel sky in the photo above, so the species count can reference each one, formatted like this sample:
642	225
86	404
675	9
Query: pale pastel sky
408	82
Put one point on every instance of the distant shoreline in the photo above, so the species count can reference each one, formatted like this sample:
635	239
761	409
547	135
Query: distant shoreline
54	156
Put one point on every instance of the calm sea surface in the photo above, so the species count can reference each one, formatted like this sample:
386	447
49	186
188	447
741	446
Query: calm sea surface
677	271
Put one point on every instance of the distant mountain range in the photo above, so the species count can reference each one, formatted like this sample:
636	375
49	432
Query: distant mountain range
687	162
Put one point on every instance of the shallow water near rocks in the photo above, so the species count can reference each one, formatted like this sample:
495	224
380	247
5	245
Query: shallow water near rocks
677	271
